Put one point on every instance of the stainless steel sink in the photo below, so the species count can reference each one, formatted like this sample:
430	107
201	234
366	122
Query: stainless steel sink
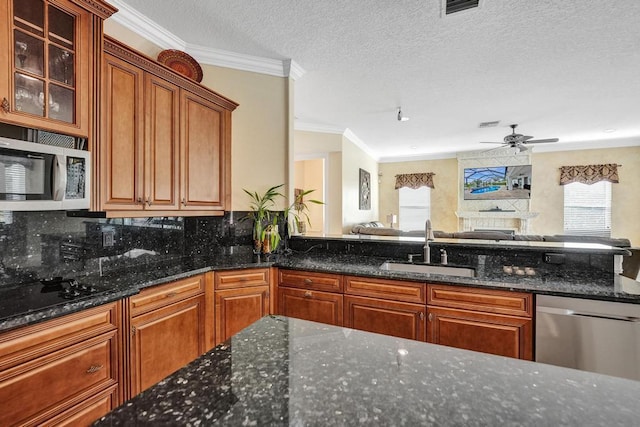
445	270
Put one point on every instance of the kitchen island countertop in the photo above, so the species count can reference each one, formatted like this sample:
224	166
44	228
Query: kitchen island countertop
282	371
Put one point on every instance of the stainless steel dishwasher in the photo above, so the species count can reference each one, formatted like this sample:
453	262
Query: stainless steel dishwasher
596	336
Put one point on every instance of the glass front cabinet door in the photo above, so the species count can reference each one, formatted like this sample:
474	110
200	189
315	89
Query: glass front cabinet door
47	68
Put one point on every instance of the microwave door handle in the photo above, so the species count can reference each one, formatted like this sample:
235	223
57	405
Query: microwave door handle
59	177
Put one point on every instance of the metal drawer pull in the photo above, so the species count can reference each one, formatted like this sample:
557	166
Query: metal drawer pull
94	368
308	294
171	294
308	281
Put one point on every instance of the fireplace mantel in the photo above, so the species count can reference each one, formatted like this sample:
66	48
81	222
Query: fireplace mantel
496	220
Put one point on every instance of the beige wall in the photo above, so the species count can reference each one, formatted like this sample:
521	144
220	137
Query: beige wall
260	125
444	197
333	203
354	159
309	175
547	196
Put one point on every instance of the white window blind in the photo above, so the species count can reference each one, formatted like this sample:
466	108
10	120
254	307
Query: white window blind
414	208
587	209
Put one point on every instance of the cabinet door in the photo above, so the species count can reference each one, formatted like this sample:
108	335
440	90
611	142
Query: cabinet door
323	307
46	73
162	138
88	411
238	308
164	340
205	137
121	173
397	319
488	333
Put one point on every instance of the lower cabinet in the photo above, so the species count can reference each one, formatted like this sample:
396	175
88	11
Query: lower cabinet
167	330
398	319
485	320
488	333
317	306
238	308
63	371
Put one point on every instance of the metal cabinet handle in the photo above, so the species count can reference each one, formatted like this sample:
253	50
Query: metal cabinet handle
430	317
308	294
149	201
184	202
421	316
5	105
139	200
308	281
94	368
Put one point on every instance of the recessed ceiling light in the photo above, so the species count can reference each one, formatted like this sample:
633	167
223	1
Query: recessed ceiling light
610	130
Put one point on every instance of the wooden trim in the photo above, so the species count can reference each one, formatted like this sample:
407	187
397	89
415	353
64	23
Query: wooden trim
273	290
97	7
209	315
124	52
144	214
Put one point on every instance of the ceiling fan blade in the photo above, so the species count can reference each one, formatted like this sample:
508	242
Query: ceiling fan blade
492	142
525	138
541	141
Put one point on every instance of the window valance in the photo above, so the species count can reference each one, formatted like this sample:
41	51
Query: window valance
415	180
589	174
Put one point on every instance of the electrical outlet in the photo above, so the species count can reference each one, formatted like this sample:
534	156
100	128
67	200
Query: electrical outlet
108	238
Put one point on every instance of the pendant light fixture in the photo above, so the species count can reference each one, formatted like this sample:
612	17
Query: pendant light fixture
402	118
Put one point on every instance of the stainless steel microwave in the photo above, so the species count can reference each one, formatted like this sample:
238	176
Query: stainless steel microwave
39	177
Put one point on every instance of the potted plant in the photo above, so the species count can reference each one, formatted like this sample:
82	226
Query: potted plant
265	219
296	213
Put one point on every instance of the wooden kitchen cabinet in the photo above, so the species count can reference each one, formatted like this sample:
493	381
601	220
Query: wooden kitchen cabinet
241	298
317	306
63	371
167	330
485	320
398	319
311	296
165	141
47	55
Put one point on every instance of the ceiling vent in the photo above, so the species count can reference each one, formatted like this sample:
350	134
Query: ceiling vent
453	6
488	124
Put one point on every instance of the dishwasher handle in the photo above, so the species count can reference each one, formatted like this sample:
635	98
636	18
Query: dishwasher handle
567	312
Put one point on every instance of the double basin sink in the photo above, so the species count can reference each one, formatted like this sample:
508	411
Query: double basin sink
444	270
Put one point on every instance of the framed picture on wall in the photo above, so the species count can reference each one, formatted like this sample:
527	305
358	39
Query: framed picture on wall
365	190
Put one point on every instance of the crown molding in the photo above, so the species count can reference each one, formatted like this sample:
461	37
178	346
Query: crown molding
418	157
315	127
587	145
160	36
360	144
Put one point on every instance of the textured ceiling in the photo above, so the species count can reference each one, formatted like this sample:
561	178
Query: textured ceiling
560	68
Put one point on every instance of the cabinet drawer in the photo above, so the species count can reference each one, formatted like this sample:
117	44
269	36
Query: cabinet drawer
29	342
88	411
314	281
387	289
33	391
161	295
398	319
485	300
241	278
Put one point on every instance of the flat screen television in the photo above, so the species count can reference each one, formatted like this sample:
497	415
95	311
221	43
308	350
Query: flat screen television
497	183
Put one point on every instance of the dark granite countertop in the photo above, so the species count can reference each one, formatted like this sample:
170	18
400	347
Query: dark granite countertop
130	282
290	372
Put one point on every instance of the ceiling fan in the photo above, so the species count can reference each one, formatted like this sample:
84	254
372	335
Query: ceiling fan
519	141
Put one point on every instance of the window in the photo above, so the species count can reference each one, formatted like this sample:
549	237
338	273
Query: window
414	208
587	209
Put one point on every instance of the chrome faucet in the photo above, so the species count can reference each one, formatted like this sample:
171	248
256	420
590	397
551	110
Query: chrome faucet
428	236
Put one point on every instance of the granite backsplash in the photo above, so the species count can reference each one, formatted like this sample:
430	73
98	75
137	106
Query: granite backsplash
50	243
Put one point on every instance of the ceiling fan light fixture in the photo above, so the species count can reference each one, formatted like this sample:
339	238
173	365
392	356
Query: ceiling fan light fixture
402	118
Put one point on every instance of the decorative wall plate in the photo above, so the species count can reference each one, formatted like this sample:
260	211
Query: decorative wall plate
181	62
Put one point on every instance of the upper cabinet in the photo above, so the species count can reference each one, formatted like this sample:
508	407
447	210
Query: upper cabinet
165	141
47	59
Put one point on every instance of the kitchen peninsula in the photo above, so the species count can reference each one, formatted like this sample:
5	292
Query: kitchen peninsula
282	371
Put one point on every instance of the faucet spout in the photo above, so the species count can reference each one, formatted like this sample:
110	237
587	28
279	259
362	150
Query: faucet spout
428	236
